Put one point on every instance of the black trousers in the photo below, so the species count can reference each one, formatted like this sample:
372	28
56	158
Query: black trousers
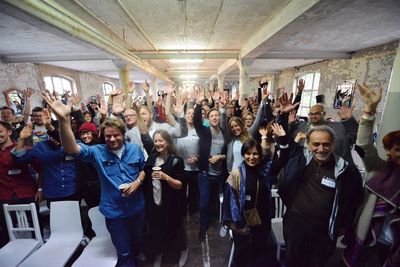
191	186
252	250
307	245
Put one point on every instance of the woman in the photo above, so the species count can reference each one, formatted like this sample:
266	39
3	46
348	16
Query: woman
87	179
247	201
378	227
161	189
238	133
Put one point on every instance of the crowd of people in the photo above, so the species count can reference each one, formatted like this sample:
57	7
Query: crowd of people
147	163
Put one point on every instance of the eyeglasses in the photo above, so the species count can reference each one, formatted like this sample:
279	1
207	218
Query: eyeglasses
316	113
129	115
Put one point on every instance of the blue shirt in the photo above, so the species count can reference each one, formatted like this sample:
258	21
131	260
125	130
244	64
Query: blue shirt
57	168
114	171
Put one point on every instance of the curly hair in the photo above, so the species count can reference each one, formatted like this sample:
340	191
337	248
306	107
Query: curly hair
391	139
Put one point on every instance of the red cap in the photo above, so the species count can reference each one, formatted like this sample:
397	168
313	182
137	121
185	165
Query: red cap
88	126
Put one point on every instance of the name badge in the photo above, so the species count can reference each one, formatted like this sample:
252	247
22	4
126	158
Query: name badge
329	182
14	171
69	158
248	197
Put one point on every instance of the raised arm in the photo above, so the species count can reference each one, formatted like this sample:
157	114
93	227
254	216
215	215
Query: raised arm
371	100
62	112
27	107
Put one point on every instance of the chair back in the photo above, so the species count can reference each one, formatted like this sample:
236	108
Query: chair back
65	217
22	218
279	207
98	222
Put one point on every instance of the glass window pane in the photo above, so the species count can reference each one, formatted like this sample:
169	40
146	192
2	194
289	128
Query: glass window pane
57	85
306	99
66	85
313	98
294	88
317	77
309	81
48	83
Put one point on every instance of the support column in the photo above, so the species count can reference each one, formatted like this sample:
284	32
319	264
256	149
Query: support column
244	81
221	78
390	120
123	73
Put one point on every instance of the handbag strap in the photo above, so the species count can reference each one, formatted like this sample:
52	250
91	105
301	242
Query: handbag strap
258	187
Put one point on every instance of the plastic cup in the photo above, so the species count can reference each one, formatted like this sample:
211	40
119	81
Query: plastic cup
155	169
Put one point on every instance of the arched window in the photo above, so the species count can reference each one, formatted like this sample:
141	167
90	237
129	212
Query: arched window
308	98
107	89
59	84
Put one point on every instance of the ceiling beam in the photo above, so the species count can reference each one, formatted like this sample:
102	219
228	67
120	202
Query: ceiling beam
305	55
289	13
47	58
187	55
55	15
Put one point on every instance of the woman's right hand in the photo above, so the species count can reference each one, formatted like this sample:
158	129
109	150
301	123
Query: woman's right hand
245	231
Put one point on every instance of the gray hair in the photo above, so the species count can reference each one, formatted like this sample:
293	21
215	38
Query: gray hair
322	128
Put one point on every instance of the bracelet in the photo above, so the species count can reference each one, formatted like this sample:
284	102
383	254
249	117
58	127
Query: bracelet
369	113
39	189
140	181
264	137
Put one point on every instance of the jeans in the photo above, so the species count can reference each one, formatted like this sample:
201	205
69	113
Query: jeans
209	188
125	234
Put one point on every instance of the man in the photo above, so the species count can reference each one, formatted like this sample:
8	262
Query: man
117	163
211	161
16	184
7	114
136	131
345	130
322	193
57	180
39	131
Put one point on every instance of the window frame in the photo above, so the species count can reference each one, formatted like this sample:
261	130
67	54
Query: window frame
312	91
61	77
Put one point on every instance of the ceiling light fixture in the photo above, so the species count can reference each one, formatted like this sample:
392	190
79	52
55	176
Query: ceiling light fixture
182	60
188	76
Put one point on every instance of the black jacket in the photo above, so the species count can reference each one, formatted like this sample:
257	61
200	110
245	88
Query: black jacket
205	137
348	194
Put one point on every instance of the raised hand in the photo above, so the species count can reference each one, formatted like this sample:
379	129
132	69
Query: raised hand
61	110
264	95
199	97
146	87
46	117
263	131
278	129
28	92
178	107
118	104
299	136
116	92
300	86
76	99
371	99
292	116
26	132
345	113
286	103
103	109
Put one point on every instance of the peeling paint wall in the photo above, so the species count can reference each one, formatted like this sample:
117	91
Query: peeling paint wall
22	75
372	66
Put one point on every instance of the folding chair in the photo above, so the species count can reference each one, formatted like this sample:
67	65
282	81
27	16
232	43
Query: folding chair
18	249
277	223
100	252
66	235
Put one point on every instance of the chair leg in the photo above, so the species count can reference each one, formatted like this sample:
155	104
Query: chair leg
231	255
278	253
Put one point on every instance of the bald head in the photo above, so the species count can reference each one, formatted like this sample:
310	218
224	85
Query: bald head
316	115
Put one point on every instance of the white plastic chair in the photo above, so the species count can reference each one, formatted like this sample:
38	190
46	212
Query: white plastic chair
15	251
232	249
277	223
100	252
66	235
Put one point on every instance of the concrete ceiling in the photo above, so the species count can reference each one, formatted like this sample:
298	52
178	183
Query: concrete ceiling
278	34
